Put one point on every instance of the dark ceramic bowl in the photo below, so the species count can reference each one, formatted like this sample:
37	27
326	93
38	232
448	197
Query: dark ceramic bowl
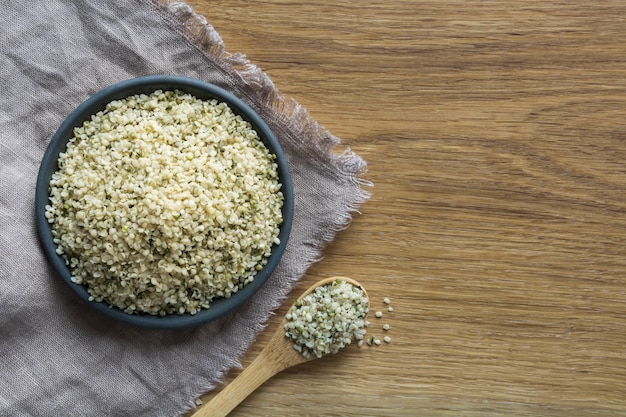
147	85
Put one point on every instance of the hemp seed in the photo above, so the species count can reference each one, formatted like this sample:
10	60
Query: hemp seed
328	319
163	202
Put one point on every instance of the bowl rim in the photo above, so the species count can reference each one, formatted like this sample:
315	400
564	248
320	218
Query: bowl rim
146	84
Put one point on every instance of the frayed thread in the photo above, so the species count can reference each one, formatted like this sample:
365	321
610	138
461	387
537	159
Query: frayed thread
288	113
289	116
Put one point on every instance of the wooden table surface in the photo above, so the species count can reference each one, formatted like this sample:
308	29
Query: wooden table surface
495	136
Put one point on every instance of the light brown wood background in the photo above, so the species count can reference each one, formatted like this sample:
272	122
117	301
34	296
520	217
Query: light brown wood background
495	136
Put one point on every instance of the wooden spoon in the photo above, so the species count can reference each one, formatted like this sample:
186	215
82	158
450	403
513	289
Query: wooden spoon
277	356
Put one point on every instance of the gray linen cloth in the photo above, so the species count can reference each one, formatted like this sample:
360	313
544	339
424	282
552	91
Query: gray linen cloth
57	357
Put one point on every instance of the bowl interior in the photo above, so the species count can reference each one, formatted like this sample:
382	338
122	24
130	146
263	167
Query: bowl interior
147	85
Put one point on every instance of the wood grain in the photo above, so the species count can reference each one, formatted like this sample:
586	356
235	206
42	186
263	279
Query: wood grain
494	133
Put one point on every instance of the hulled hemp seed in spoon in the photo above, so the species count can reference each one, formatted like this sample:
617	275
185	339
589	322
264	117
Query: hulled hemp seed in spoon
327	319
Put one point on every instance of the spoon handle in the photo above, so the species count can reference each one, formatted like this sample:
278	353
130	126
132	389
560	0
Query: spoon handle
278	355
259	371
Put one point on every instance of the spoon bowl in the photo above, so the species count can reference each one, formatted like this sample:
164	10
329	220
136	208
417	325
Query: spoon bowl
277	356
